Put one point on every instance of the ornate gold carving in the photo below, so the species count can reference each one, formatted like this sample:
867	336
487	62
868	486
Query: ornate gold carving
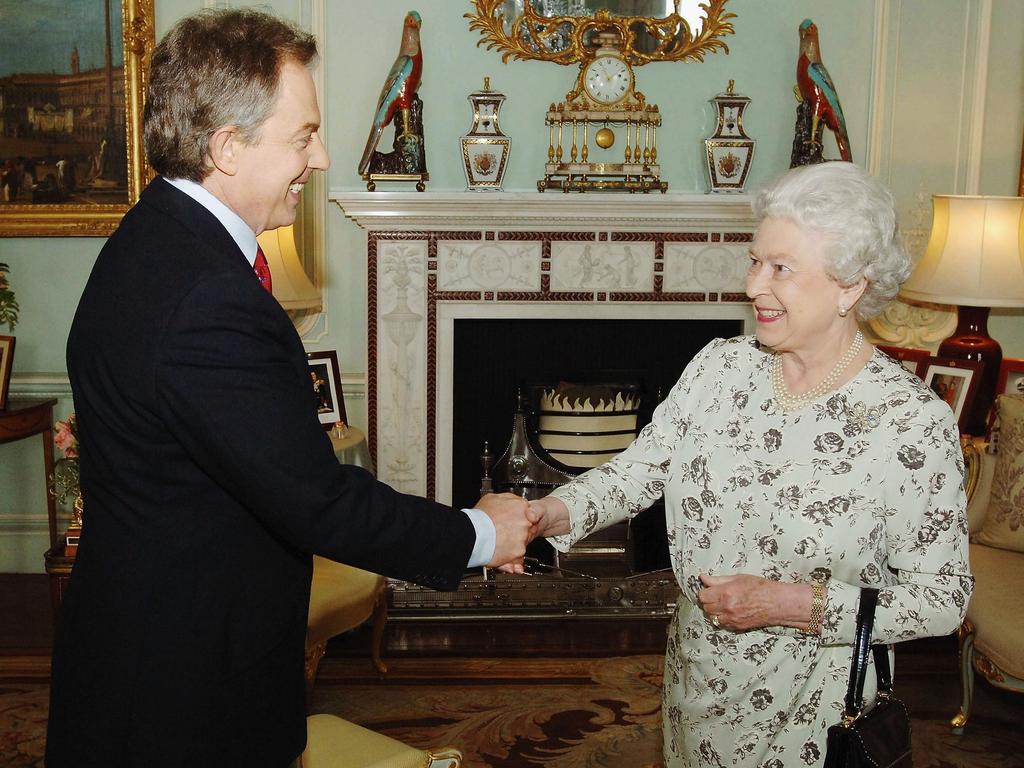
972	465
674	40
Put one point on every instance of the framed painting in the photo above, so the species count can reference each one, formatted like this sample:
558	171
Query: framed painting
328	398
72	82
955	382
6	364
1011	377
913	359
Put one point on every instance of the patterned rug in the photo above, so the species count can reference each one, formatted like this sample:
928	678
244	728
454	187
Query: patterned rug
555	713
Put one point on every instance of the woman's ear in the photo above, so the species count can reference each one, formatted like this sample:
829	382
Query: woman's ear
849	295
223	149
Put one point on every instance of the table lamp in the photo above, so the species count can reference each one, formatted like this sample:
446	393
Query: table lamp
292	287
974	259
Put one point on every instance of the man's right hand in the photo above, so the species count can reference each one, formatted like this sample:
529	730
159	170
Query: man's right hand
514	523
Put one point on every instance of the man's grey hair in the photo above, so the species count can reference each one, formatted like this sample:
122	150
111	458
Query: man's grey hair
215	68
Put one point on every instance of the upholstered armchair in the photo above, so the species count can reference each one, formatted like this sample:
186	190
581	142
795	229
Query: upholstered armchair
341	598
332	742
992	634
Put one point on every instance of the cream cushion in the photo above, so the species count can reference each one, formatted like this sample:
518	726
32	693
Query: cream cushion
332	742
1004	522
995	607
341	598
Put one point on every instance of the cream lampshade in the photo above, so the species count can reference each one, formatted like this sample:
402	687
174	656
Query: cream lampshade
292	287
974	259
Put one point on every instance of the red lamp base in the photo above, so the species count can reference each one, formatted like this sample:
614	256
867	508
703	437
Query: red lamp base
971	341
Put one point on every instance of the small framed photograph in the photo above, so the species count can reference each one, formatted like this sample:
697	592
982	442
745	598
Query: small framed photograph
6	363
1011	377
325	381
954	381
913	359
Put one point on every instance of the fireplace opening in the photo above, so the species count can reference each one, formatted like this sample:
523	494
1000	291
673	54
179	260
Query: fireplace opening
496	359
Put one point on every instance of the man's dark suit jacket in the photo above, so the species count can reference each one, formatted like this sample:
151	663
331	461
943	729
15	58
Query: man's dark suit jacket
208	484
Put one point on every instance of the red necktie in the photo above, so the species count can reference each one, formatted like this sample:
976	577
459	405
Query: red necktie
263	271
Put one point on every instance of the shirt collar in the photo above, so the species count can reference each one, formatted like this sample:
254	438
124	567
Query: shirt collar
240	232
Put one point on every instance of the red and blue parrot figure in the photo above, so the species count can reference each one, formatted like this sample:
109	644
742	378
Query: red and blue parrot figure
399	88
815	87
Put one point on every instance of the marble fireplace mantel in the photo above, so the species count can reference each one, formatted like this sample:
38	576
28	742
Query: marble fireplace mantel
389	211
434	259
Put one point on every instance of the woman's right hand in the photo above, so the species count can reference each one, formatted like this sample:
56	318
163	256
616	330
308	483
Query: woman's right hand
554	516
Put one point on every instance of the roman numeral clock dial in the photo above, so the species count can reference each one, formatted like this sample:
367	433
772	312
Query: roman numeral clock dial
604	135
607	79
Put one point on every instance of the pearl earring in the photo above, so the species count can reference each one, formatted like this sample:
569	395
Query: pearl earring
843	311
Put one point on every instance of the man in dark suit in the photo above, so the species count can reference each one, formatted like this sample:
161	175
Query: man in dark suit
207	478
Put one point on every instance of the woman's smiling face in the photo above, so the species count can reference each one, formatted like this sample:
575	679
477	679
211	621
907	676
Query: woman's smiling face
795	301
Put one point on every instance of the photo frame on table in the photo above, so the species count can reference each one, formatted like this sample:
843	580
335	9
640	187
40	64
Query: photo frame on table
956	382
1011	377
914	360
71	155
6	364
327	396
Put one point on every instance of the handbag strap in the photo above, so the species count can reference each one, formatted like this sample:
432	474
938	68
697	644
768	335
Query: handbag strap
859	666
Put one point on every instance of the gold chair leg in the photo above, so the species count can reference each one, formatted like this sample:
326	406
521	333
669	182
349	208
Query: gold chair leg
313	656
966	657
380	617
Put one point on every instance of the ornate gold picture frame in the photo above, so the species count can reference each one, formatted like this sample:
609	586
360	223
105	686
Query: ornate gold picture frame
71	155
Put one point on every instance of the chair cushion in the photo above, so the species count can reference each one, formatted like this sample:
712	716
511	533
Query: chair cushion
995	607
1004	523
335	743
341	598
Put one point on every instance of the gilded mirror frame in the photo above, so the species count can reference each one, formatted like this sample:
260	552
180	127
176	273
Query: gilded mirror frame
674	39
83	219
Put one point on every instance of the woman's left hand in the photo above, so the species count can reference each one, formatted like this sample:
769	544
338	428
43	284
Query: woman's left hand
744	602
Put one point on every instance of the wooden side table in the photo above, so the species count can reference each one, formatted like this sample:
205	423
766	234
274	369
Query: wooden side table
23	419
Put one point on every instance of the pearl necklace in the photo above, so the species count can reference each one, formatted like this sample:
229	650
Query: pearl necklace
791	402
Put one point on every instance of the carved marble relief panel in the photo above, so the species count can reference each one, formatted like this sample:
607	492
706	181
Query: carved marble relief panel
602	266
488	266
705	268
401	364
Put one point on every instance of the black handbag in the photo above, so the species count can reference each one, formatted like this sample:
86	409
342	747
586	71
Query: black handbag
875	737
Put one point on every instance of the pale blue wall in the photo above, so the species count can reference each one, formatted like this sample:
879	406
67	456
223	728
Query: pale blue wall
923	146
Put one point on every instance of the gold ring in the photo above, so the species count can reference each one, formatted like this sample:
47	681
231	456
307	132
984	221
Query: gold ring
715	622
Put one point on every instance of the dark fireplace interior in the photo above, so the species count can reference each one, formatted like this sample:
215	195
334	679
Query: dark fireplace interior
495	359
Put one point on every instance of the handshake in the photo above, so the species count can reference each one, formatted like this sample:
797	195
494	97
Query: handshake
517	522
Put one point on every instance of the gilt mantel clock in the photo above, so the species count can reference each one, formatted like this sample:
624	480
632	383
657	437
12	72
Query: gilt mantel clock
604	134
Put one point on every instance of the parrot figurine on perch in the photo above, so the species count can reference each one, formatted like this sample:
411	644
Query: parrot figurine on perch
399	89
815	89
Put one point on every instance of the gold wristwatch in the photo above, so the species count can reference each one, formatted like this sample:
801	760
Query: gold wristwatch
819	583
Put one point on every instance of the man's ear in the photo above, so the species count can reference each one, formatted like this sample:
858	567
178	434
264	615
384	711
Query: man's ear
223	149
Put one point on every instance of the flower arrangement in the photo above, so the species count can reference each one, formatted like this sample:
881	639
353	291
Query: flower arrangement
65	475
8	303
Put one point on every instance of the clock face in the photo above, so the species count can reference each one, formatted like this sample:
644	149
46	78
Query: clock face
607	79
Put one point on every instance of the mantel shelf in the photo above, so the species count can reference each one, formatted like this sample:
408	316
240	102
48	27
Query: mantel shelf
389	211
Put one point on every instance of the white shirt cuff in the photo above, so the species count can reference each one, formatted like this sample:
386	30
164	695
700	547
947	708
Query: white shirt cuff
486	538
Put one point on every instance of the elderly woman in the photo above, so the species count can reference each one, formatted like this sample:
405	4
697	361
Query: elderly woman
797	466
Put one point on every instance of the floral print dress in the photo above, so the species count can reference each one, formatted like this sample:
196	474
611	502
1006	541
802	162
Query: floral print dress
865	483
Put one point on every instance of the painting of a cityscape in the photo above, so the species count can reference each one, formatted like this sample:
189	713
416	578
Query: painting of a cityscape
69	124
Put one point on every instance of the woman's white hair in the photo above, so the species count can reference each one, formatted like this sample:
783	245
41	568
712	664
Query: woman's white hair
857	213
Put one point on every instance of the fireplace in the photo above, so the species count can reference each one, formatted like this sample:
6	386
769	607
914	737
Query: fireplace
529	279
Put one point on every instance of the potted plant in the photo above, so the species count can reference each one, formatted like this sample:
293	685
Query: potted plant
8	302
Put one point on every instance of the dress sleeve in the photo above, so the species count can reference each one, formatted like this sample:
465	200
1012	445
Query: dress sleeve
923	573
635	479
